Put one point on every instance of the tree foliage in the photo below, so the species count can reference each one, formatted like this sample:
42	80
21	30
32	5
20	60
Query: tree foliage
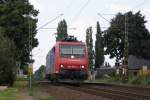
89	43
138	36
7	61
99	48
17	17
61	30
40	73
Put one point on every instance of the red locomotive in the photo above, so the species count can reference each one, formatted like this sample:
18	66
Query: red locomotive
68	59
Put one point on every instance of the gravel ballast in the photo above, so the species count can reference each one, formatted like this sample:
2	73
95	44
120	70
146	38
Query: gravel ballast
63	93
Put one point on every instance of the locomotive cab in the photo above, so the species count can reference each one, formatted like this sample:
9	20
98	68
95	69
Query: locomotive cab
68	60
73	60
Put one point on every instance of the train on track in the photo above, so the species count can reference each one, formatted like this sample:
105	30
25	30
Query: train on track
68	59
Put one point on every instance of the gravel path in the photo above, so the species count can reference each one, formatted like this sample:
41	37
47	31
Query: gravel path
3	88
62	93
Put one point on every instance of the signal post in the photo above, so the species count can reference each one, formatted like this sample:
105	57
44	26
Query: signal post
30	72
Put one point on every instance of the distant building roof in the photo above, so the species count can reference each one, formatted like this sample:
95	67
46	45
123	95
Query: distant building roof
137	63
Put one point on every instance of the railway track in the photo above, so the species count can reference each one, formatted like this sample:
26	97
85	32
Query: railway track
127	87
115	92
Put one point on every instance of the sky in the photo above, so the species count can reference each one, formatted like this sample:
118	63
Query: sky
79	15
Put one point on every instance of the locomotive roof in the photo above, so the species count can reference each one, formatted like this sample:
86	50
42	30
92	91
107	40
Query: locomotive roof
70	42
66	42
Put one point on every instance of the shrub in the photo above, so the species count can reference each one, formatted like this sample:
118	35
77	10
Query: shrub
7	61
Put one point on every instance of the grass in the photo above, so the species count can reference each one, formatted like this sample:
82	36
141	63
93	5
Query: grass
46	98
8	94
139	80
30	92
21	79
21	90
132	80
109	79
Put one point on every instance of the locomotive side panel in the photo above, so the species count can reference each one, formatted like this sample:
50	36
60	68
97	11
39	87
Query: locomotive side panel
57	61
50	61
47	64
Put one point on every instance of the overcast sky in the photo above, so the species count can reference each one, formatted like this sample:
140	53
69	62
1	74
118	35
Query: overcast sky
79	14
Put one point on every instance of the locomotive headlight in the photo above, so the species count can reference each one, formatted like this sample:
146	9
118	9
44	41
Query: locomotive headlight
61	66
82	66
72	57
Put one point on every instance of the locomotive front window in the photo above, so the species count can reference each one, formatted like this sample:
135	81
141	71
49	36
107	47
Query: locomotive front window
78	50
68	50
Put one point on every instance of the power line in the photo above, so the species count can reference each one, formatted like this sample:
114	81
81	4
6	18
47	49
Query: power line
71	28
50	21
103	17
141	4
80	11
68	6
108	14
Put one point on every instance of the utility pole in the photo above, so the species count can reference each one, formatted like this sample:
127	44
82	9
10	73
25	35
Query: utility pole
30	66
125	60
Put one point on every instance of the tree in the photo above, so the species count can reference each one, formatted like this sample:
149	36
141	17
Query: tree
138	36
61	30
89	43
99	48
40	73
17	18
8	67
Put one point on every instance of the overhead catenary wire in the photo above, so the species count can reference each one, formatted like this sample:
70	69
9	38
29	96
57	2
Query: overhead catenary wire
42	26
141	4
80	11
103	17
110	14
68	6
71	28
62	13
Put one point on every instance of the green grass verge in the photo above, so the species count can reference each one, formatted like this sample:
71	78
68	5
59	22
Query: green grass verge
139	80
46	98
13	93
132	80
21	79
8	94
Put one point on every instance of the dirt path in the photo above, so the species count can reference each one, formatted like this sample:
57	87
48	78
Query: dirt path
23	96
3	88
23	93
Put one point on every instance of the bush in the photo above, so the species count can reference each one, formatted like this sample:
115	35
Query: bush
7	61
21	79
139	80
146	80
40	73
135	80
